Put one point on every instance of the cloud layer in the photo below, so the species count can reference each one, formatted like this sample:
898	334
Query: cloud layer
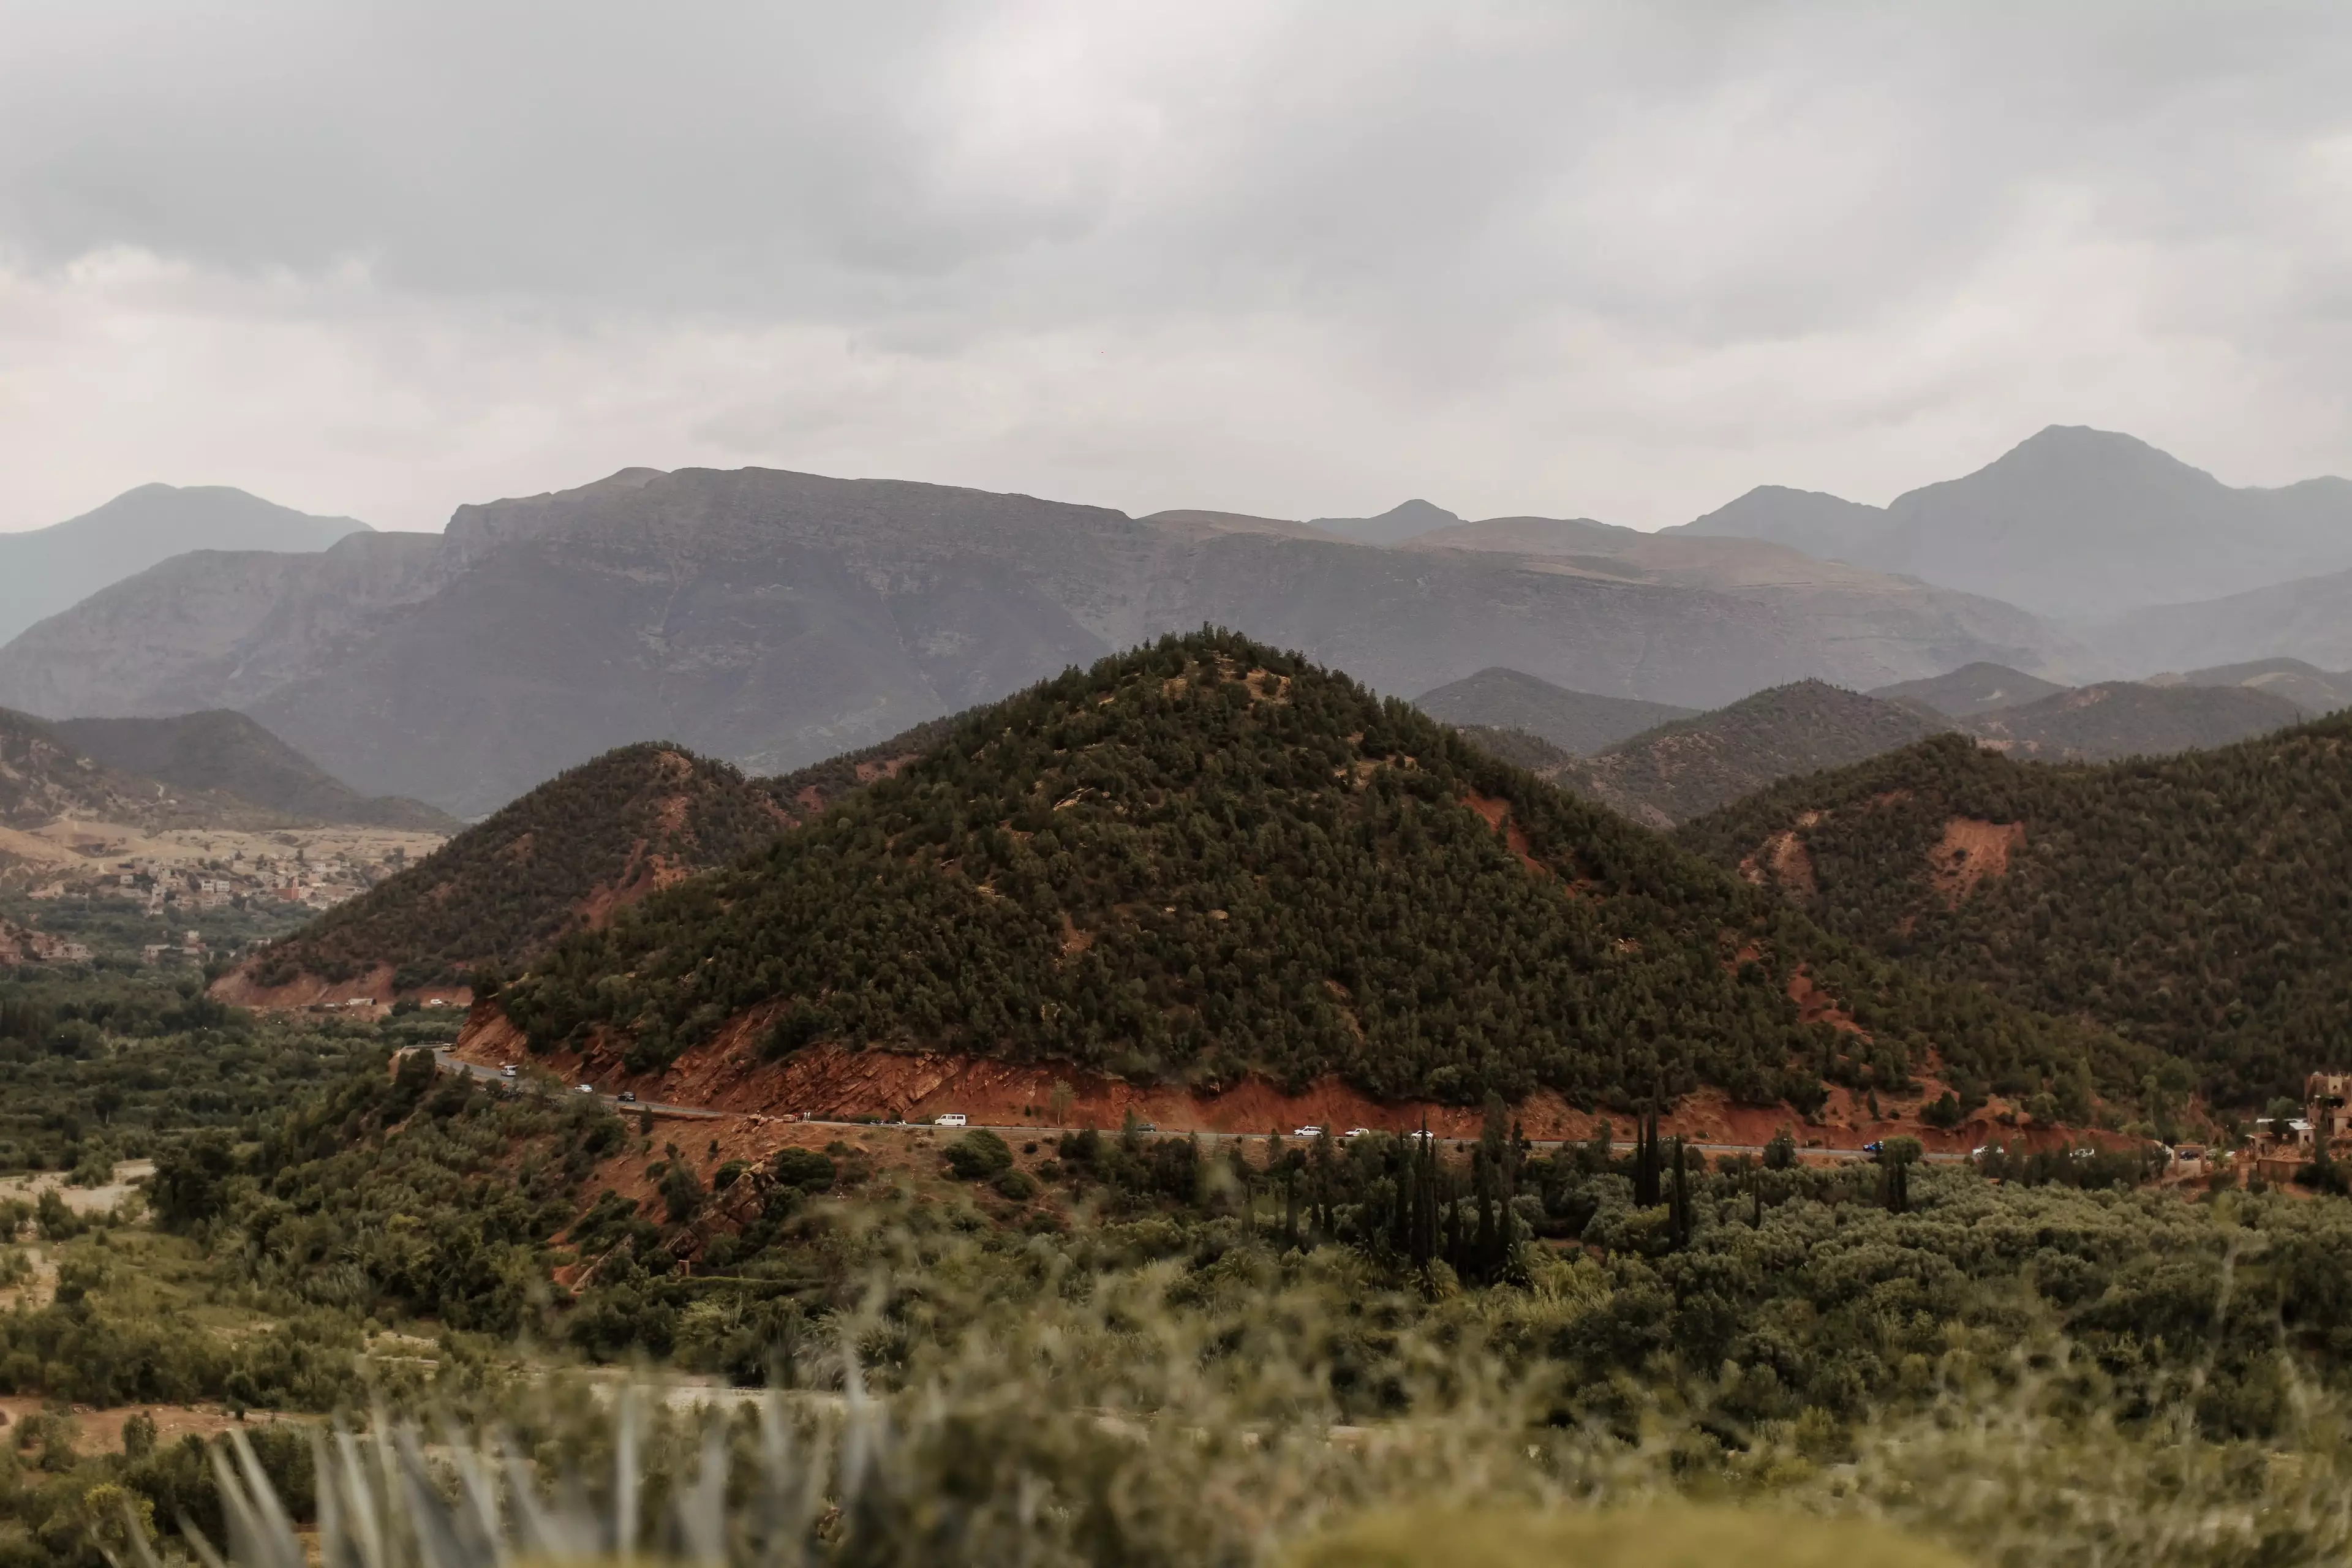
1623	261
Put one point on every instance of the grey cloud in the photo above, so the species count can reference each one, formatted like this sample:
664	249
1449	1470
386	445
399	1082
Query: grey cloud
1471	222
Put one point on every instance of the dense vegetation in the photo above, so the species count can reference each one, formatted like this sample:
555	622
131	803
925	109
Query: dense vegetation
2201	904
493	898
1681	770
1556	1322
1207	858
105	1066
500	892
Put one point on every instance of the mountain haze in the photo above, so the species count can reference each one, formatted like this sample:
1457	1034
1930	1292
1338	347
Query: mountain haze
1576	721
228	752
46	569
2309	619
1971	689
773	619
2315	691
2072	523
1394	526
2128	719
216	628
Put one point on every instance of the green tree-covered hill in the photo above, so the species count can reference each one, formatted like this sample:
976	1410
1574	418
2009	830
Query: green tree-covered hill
2201	903
1682	770
1206	857
588	841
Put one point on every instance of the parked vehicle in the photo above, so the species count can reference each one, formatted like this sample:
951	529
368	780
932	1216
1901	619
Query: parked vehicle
949	1119
1309	1131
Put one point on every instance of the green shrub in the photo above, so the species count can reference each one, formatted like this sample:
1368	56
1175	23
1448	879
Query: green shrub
1018	1186
803	1168
979	1153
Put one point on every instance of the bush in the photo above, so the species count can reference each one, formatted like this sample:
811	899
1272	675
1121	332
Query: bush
979	1153
803	1168
1018	1186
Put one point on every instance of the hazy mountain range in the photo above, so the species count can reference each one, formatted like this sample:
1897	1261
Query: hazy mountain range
774	618
2076	523
46	569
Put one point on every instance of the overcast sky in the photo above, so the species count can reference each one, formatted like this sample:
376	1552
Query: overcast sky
1615	261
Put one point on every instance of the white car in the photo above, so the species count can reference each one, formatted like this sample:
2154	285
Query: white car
949	1119
1308	1131
1358	1132
586	1088
508	1070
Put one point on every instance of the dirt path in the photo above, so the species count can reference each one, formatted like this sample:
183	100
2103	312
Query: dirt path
128	1173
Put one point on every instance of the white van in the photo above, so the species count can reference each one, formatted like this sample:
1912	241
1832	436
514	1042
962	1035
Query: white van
948	1119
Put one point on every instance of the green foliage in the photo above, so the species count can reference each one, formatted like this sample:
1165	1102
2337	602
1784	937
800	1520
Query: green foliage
494	896
1206	858
1682	769
498	893
2200	903
804	1168
979	1153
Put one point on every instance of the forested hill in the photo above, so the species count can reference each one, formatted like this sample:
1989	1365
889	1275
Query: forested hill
2203	903
565	854
1681	770
1204	857
589	839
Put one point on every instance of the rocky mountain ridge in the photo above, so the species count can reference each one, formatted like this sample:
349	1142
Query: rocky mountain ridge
774	618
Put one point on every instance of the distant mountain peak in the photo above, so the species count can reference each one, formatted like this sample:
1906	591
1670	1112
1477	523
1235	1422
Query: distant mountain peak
1408	520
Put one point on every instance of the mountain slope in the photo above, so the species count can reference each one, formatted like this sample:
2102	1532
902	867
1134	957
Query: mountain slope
45	776
2076	523
2309	619
228	752
1576	721
45	570
2129	719
1971	689
2315	691
567	854
589	841
1409	521
774	619
2195	902
1206	858
1681	770
216	628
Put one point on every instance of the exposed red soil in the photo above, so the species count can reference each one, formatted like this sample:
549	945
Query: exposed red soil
1970	850
1783	862
237	989
1496	815
1815	1006
833	1083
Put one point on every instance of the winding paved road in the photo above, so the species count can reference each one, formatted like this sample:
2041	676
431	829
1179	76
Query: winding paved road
449	1063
